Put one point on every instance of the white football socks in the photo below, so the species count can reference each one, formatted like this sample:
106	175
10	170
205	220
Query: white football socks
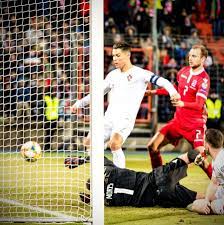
119	158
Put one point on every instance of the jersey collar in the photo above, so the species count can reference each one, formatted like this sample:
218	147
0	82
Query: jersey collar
196	73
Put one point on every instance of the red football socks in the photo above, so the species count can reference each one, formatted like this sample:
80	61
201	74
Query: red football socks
208	170
156	159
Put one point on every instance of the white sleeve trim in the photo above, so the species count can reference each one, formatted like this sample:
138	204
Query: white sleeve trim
202	95
162	82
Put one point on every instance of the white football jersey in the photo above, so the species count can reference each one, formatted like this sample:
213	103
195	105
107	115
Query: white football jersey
127	90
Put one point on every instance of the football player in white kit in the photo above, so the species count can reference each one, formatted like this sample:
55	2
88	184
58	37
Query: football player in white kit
127	85
214	197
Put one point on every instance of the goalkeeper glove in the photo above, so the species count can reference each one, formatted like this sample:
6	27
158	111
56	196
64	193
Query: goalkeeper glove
200	158
73	162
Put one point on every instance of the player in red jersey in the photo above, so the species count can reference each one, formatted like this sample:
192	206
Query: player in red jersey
190	116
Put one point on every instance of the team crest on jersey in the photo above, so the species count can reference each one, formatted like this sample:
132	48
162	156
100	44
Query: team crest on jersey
194	83
129	77
205	83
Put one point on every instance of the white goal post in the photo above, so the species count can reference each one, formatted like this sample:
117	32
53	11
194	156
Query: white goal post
51	54
97	111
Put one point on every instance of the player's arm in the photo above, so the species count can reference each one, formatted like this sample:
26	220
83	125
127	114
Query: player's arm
86	100
211	189
197	105
164	83
159	91
163	90
80	103
201	96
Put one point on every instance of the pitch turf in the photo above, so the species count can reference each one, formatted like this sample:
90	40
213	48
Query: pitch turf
58	188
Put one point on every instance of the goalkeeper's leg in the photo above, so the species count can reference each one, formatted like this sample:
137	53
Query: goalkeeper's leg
86	143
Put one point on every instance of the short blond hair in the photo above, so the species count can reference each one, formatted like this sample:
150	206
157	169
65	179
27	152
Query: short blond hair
204	51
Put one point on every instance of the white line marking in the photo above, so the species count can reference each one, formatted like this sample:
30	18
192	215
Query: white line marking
36	208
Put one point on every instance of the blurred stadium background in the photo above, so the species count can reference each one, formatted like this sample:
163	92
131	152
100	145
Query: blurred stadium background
44	47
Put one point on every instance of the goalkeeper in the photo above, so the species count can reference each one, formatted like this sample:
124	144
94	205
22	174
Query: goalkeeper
124	187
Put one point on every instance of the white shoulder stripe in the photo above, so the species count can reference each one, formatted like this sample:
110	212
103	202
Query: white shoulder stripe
202	95
184	76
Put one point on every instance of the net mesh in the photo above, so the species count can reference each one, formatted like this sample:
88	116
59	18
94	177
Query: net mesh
44	47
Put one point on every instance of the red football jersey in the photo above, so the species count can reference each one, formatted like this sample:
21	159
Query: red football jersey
192	85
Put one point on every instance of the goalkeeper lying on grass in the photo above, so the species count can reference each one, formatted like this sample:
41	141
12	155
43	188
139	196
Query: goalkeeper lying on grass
124	187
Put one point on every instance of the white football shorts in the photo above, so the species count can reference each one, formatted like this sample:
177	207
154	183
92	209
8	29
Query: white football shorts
122	126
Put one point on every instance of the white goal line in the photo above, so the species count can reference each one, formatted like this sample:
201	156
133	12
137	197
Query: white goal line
60	216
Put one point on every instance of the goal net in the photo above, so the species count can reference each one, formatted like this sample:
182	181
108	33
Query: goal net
47	47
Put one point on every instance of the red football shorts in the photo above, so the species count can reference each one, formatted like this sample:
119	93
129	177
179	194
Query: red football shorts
173	131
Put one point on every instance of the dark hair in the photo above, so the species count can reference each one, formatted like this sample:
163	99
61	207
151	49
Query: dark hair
214	137
204	51
122	45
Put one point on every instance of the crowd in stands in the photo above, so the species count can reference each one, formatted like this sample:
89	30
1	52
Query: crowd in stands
39	45
177	32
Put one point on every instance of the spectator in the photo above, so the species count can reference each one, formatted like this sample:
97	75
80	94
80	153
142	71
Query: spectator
130	35
166	38
193	39
51	117
23	98
142	21
34	33
217	17
180	53
214	107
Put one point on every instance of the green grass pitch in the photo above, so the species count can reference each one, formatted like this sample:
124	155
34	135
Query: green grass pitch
61	189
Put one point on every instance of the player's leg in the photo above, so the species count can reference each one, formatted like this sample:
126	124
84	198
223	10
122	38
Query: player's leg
86	143
167	178
196	138
115	145
107	134
121	129
158	140
168	134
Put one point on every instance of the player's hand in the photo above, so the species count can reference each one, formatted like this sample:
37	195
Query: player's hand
74	108
175	97
202	206
177	103
199	160
150	92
